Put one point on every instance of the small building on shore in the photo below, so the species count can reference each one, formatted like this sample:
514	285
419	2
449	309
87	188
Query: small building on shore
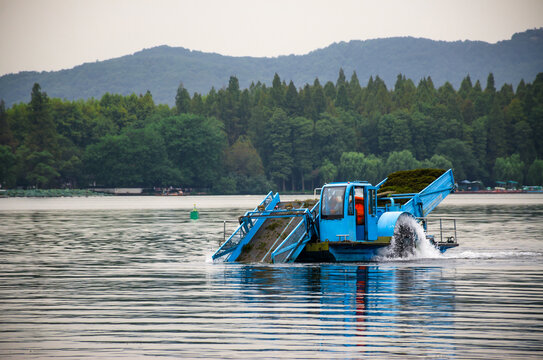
120	191
466	185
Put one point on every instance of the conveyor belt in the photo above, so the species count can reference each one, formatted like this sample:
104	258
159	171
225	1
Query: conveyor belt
271	234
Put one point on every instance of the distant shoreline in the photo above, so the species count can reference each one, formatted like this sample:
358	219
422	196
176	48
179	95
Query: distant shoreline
55	193
43	193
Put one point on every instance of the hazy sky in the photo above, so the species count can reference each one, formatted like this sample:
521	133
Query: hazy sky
59	34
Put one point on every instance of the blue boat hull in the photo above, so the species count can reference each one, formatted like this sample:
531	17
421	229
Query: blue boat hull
350	252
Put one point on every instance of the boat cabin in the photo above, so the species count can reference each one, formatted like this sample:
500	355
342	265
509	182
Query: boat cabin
348	212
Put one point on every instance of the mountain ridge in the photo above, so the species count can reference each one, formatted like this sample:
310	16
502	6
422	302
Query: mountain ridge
162	68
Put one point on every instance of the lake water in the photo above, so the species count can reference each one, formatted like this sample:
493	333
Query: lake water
130	277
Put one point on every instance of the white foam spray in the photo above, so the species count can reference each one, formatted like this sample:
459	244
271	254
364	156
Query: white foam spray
209	256
423	249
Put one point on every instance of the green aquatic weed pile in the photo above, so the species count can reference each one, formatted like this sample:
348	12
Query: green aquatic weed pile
410	181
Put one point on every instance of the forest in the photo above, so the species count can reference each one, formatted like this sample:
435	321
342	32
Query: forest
241	141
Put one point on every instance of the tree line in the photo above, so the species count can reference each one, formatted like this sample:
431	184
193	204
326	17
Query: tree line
252	140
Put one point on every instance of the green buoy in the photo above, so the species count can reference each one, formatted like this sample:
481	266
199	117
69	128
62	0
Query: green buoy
194	213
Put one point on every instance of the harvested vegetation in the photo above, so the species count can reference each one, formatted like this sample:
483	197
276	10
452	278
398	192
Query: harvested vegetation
409	181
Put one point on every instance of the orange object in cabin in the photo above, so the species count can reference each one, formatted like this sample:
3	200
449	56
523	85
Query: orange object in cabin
359	206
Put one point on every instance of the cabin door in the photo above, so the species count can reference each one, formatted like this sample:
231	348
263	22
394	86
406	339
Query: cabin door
371	216
360	213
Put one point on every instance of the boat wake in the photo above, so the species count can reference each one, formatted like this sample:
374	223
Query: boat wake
408	228
487	255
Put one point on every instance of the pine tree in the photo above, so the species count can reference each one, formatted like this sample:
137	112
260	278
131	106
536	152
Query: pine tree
182	100
505	95
382	100
230	113
404	93
465	87
355	92
425	93
490	84
319	98
281	162
302	133
291	100
277	92
342	99
244	111
330	91
478	100
306	103
210	102
145	107
489	94
233	88
197	105
6	136
341	78
42	134
497	141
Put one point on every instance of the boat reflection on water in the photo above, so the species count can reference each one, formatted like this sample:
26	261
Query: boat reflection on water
334	307
404	305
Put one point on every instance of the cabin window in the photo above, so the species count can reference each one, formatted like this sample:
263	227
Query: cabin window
351	202
359	204
333	198
372	204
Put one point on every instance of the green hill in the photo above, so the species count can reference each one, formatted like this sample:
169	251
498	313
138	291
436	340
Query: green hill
162	68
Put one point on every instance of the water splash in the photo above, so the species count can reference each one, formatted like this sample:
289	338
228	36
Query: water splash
209	256
408	226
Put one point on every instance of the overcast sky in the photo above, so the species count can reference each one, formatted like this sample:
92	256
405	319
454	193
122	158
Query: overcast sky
60	34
